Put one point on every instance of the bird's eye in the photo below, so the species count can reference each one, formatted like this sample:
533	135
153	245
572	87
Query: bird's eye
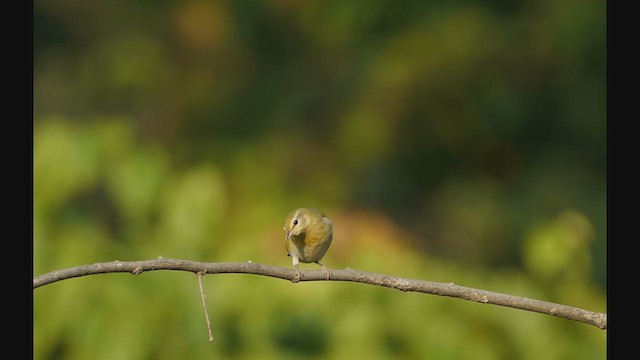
295	222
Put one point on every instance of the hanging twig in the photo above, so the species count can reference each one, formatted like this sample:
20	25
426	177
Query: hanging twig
203	296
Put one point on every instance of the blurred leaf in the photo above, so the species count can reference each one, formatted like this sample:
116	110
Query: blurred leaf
560	246
135	182
64	161
192	209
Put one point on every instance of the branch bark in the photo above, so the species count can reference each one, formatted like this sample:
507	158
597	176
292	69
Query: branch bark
403	284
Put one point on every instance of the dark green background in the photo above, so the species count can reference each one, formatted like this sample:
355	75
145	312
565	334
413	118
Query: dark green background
460	141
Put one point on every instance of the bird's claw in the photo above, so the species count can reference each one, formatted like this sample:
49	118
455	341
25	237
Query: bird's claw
296	278
327	272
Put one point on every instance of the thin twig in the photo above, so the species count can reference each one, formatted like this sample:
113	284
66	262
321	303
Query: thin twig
203	296
442	289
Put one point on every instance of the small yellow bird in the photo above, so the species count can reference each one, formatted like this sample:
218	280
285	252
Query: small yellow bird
309	234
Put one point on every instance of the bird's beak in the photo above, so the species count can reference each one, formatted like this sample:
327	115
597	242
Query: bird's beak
288	235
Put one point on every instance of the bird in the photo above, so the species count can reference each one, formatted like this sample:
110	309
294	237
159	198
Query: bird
309	234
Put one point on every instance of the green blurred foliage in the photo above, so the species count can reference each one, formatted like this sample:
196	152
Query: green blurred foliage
456	142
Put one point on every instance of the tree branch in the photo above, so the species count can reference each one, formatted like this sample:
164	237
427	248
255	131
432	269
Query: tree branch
442	289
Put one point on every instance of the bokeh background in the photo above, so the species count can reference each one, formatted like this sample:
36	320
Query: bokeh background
458	141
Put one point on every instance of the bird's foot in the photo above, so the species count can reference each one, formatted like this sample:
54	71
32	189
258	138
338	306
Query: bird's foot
327	272
296	278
